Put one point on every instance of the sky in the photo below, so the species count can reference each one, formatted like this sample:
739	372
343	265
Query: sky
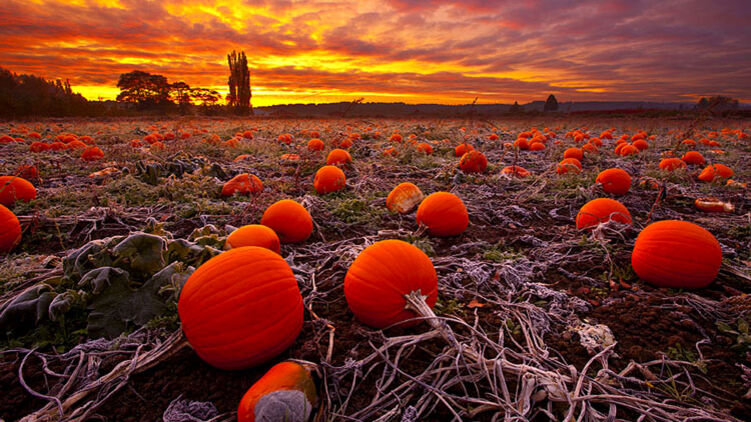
413	51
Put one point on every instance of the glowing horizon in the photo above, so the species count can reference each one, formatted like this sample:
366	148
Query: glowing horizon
411	51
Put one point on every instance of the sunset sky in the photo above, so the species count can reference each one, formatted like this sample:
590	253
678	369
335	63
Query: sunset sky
416	51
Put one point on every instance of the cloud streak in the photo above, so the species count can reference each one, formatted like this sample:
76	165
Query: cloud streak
444	51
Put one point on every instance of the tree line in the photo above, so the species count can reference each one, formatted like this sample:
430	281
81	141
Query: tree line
29	95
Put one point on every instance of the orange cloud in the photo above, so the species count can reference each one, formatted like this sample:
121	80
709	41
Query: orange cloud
438	51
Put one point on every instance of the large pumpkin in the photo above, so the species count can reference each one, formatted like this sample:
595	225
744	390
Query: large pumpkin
241	308
473	162
254	235
10	230
14	188
381	275
616	181
404	198
676	254
462	149
290	220
601	210
244	184
574	153
715	171
443	213
285	393
693	157
93	154
329	179
315	144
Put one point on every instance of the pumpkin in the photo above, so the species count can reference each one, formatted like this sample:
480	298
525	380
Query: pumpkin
640	144
601	210
285	393
38	147
589	148
693	157
27	171
473	162
241	308
536	146
338	156
676	254
522	143
714	171
574	153
670	164
616	181
315	144
404	198
443	213
10	230
329	179
629	150
254	235
285	138
57	146
462	149
244	184
76	145
516	171
381	275
14	188
92	154
290	220
425	148
569	164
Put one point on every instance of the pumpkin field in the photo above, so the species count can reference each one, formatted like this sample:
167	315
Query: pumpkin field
547	267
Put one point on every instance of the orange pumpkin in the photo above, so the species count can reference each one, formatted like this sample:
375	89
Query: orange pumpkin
574	153
381	275
676	254
714	171
57	146
244	184
462	149
404	198
315	144
425	148
616	181
641	144
516	171
27	171
601	210
290	220
670	164
38	147
241	308
443	213
14	188
629	150
712	204
569	164
10	230
285	393
536	146
92	154
338	156
693	157
254	235
329	179
473	162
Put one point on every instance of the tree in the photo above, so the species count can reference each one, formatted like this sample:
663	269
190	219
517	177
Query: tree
551	104
203	96
239	83
180	93
717	104
143	88
515	108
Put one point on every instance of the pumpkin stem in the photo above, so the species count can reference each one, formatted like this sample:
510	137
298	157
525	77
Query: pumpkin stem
416	303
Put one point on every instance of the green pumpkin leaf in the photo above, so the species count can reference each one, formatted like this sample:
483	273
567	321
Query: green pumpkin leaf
144	252
28	308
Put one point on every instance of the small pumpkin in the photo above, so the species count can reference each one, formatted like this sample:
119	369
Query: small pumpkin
10	230
671	164
693	157
677	254
712	204
241	308
443	213
315	144
404	198
574	153
290	220
27	171
473	162
516	171
14	188
92	154
254	235
569	165
640	144
329	179
629	150
462	149
244	184
338	157
285	393
381	275
425	148
601	210
615	181
715	171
